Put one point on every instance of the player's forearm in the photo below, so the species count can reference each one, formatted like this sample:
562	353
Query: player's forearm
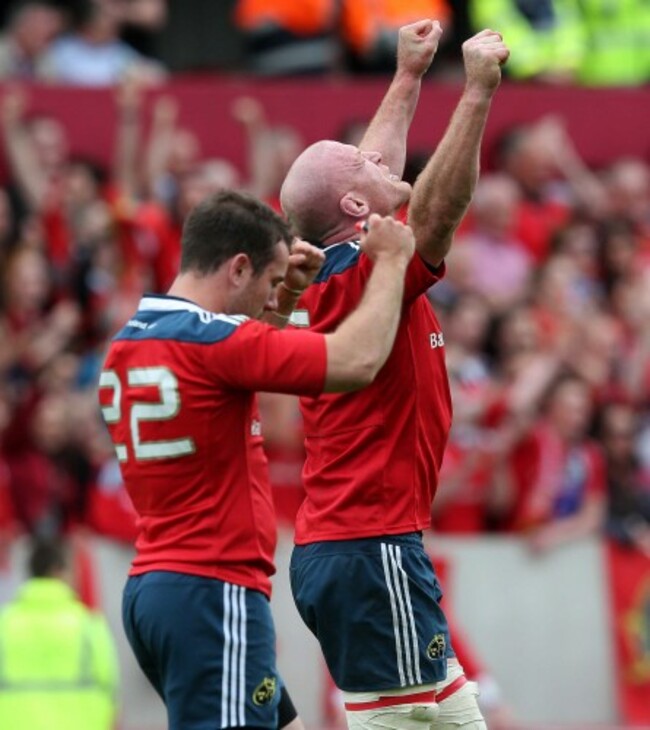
24	165
361	345
445	187
387	132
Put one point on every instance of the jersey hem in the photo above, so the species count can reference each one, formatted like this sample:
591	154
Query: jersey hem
360	534
263	586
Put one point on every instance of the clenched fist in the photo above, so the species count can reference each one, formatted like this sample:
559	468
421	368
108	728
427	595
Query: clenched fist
417	45
484	54
305	261
387	237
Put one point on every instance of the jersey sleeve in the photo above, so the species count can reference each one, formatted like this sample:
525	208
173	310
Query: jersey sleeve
258	357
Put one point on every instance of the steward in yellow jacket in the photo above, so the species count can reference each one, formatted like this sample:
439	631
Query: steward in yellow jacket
58	665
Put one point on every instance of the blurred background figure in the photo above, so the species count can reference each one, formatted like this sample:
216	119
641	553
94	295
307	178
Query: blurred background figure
547	36
617	51
284	37
93	53
469	495
271	150
369	29
628	478
488	257
552	179
592	43
558	471
30	28
284	446
59	665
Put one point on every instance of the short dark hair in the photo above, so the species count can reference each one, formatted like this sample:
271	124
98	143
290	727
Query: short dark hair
228	223
47	557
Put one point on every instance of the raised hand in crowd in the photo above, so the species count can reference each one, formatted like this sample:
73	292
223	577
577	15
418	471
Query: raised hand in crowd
270	149
19	148
552	138
159	150
129	101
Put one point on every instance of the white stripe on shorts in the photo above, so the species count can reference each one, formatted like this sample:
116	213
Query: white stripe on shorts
406	644
410	615
233	681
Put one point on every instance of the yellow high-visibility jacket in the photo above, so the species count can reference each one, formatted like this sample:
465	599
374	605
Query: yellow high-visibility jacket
602	42
618	48
533	51
58	664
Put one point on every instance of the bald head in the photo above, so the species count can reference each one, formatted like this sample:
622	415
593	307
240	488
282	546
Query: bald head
311	193
332	185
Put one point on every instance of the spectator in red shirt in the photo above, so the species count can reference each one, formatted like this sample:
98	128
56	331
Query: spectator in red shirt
553	179
466	474
558	471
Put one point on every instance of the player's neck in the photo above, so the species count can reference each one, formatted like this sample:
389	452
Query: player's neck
202	290
344	232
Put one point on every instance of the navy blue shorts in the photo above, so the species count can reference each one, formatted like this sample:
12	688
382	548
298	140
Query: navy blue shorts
208	648
373	604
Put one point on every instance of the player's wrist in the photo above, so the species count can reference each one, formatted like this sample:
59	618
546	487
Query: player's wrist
409	77
395	258
291	290
479	92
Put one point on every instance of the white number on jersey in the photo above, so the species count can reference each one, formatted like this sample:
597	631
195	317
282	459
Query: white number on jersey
167	408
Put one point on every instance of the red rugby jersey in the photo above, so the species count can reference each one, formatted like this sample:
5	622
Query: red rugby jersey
178	394
373	456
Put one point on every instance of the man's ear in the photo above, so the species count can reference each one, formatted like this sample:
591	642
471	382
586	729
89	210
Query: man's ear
240	269
354	205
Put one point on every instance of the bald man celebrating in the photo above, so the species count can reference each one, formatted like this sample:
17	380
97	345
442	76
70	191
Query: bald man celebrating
360	576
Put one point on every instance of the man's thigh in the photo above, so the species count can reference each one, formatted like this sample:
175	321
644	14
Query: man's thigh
207	646
374	607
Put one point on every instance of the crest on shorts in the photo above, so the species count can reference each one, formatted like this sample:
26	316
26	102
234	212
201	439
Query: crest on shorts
263	693
437	647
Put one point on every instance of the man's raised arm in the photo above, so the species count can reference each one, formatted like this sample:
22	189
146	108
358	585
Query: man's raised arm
445	187
388	130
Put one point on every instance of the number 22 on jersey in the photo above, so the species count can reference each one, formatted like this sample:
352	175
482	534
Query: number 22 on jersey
167	407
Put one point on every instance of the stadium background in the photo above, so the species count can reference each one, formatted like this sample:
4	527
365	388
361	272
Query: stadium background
565	635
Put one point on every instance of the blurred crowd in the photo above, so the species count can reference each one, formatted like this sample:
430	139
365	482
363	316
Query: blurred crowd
545	311
97	42
81	42
546	314
545	307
